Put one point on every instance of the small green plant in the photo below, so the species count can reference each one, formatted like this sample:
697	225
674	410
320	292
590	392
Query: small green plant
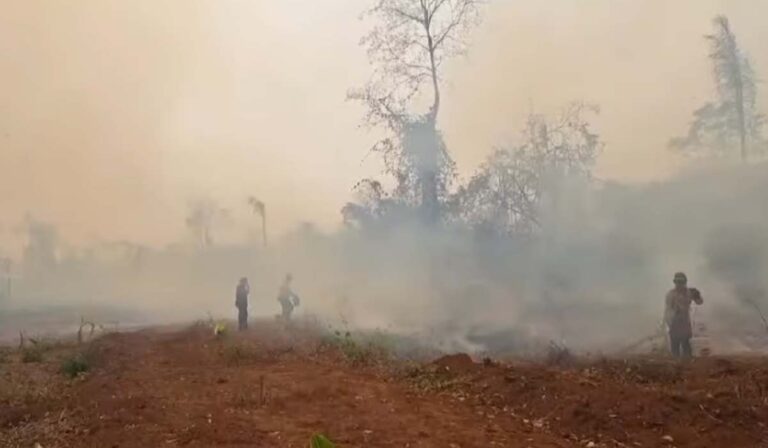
320	441
75	365
357	350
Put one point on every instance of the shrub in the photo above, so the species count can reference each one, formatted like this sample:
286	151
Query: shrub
75	365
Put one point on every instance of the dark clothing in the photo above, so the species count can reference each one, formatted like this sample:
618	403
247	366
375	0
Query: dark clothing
680	345
678	319
242	319
241	302
241	296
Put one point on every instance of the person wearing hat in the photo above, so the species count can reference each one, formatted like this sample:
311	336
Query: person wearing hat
677	315
241	302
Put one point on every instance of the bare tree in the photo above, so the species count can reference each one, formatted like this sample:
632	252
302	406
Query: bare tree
258	207
201	219
408	45
504	196
733	119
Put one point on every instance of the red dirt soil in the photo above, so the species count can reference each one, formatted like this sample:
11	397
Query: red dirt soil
186	388
648	402
275	388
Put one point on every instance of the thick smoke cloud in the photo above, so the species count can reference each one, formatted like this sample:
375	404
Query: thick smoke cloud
594	278
116	116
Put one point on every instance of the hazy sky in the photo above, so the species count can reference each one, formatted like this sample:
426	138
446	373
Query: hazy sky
115	114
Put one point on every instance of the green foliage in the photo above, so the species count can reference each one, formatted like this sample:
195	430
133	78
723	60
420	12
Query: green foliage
320	441
362	350
75	365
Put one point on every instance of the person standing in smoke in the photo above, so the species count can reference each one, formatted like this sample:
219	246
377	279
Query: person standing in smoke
288	300
241	302
677	315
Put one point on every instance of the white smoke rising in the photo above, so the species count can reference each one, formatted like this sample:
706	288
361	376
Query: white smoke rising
593	278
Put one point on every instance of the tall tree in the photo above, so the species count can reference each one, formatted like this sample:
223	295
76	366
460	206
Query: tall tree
732	120
408	45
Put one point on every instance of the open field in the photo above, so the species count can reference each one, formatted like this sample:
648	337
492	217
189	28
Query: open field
276	387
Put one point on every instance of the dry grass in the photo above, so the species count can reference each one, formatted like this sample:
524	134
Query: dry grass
33	379
237	353
53	430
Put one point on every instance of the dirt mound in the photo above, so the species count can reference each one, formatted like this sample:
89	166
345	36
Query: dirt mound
457	363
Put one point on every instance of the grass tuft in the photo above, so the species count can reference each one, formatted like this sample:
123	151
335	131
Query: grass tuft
75	365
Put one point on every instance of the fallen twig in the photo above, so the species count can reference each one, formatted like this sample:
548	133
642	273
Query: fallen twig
701	406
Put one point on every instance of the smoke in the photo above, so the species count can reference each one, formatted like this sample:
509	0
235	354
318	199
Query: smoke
594	278
644	63
117	116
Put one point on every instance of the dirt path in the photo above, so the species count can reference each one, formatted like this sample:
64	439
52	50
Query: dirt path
185	389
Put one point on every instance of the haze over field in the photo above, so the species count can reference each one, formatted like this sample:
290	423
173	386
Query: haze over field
117	118
116	114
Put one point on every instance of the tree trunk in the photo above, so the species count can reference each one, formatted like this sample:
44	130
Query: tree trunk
430	166
264	226
738	87
742	125
429	198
